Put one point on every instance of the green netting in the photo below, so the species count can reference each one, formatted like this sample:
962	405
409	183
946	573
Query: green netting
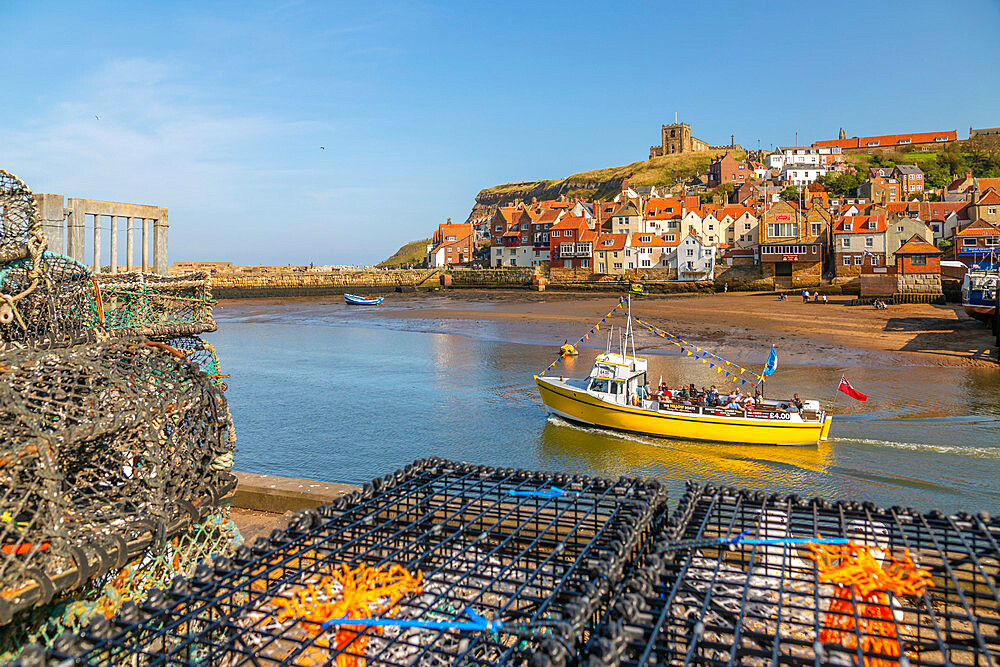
215	536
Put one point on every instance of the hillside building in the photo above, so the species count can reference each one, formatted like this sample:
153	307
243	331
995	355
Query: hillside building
676	138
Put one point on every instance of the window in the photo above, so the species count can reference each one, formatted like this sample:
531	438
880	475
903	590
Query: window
670	238
711	239
872	143
992	210
513	262
876	260
498	228
711	228
873	224
616	254
857	260
609	242
919	260
556	232
940	138
451	238
618	265
869	241
524	226
991	240
905	141
545	237
645	262
815	228
746	226
936	228
968	242
690	252
645	239
585	263
848	226
847	260
601	267
538	253
783	229
743	237
899	228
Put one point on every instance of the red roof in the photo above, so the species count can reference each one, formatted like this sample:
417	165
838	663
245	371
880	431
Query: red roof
979	228
987	183
571	222
917	246
734	211
663	208
889	139
610	242
859	224
654	241
990	197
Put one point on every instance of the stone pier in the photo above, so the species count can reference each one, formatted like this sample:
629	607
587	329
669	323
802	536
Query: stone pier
67	221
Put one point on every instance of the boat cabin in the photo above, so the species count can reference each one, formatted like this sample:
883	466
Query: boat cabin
616	377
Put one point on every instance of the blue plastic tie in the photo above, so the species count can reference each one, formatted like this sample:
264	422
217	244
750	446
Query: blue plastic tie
476	624
551	492
789	541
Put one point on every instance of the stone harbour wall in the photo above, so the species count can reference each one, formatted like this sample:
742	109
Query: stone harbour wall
918	283
240	285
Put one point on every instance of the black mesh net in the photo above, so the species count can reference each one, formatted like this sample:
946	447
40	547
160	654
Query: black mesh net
533	552
105	450
740	578
18	218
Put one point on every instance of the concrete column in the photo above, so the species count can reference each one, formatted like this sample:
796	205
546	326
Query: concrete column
145	245
129	242
114	244
75	231
52	217
97	243
160	227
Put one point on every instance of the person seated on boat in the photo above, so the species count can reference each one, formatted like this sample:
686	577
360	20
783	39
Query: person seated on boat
713	395
792	407
646	391
732	405
782	407
749	402
758	397
797	402
685	392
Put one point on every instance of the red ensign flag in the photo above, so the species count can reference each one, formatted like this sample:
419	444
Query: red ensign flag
846	387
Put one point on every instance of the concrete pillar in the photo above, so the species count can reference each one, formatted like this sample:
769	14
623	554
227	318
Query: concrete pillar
160	227
114	244
145	245
52	217
129	242
97	243
75	231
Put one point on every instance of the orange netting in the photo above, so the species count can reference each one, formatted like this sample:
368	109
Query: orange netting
857	572
358	593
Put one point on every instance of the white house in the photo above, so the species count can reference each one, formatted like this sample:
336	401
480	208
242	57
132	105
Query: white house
804	155
694	259
801	174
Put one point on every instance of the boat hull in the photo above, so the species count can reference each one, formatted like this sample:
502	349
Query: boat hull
981	313
580	406
361	301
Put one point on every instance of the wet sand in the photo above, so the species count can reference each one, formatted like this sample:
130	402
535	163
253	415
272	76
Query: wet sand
909	334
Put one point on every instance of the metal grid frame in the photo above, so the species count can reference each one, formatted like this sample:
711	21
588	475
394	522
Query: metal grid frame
497	540
693	601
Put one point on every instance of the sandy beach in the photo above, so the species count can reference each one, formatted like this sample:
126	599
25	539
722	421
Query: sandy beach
910	334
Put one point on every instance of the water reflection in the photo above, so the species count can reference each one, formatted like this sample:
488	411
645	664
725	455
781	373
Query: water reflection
342	403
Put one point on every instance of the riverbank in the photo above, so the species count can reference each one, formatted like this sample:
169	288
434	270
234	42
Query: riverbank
736	325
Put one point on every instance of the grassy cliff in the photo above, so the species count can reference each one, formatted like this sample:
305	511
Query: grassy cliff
599	183
413	253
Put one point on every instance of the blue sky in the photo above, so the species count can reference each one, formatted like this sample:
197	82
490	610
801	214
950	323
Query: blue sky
218	110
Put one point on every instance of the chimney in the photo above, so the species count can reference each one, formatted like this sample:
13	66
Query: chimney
449	221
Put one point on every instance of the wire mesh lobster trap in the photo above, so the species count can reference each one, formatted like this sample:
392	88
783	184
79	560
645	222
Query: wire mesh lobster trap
487	566
61	303
19	225
737	577
106	450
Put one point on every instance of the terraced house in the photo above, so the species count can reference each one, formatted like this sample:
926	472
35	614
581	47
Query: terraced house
571	243
793	243
978	242
857	238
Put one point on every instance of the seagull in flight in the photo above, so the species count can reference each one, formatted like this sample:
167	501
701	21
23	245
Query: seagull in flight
322	148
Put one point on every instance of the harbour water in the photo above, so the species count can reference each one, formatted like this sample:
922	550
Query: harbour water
322	391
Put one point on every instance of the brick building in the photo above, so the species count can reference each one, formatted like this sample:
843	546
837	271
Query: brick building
451	245
889	141
918	268
727	169
910	177
793	244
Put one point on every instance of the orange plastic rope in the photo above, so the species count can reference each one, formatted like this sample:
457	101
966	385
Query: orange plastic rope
856	572
364	592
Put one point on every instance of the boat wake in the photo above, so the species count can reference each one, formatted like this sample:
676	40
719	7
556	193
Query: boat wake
971	452
620	435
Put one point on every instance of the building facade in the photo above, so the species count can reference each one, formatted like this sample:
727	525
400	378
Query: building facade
676	138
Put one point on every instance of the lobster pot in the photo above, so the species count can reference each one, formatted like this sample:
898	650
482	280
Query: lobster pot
692	600
18	218
535	551
105	450
159	307
58	307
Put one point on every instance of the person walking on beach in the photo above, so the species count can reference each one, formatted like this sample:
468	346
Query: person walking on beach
825	300
725	287
805	296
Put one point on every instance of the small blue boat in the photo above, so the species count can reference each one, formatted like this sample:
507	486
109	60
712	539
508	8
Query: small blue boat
353	300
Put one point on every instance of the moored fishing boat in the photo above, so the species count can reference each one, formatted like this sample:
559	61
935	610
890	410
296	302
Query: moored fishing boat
612	396
355	300
979	293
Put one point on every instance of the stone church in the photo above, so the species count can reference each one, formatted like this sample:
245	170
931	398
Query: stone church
677	138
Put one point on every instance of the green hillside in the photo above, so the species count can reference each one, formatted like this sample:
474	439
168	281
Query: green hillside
413	253
666	170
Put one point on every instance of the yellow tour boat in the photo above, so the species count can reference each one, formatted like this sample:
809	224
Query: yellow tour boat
612	397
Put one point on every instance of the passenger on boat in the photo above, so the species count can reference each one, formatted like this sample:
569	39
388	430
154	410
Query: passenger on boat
793	408
749	402
713	395
647	392
797	401
685	392
782	407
